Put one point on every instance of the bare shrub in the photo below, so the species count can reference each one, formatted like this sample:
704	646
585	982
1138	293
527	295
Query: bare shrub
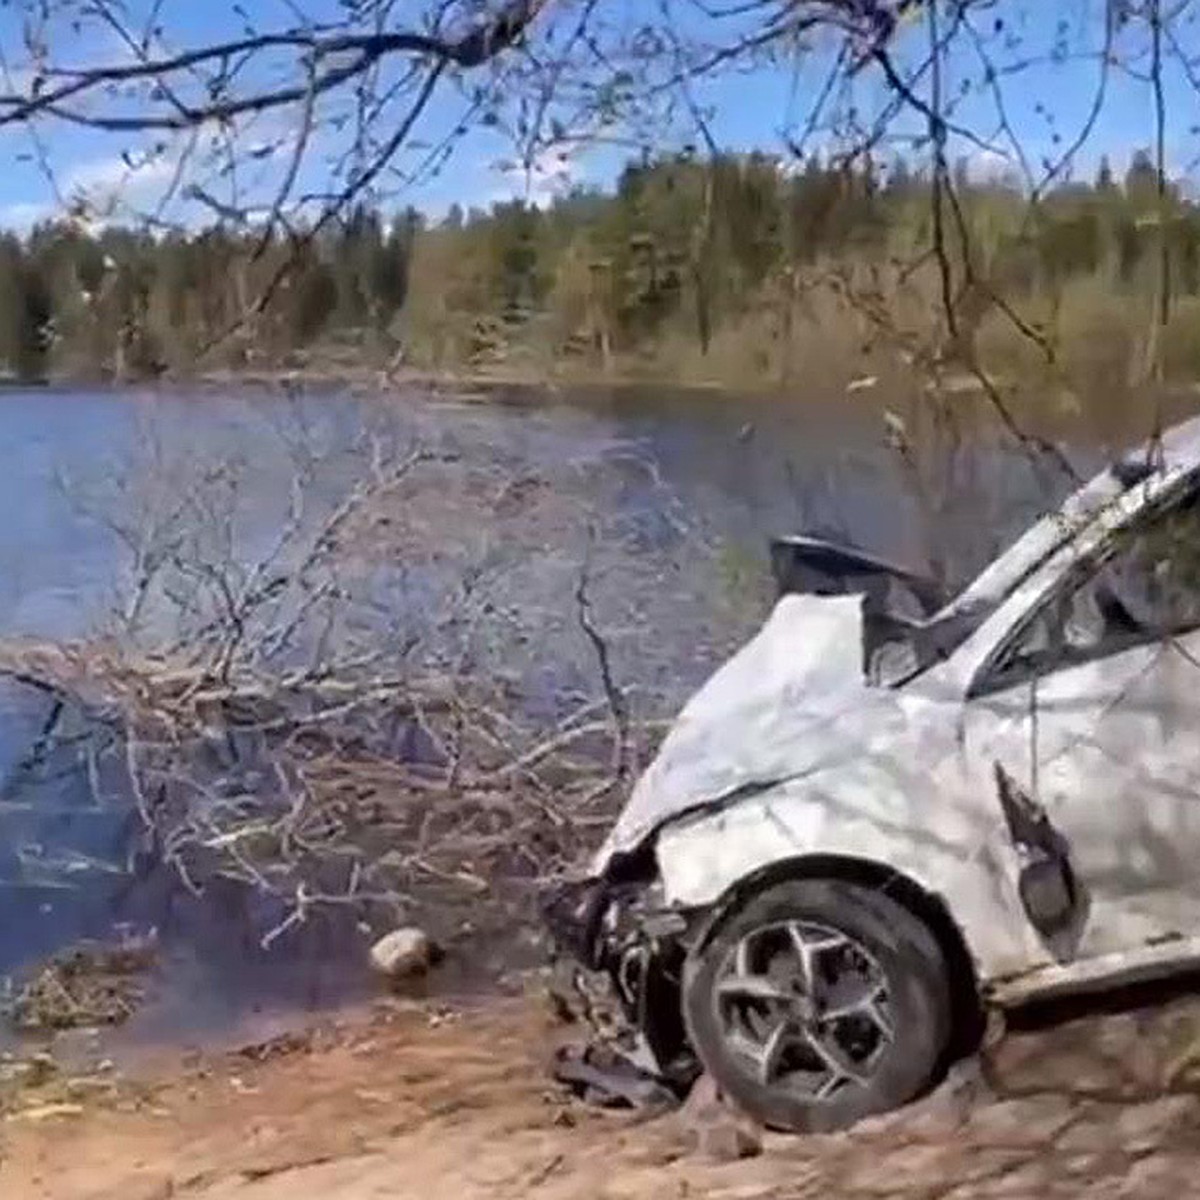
407	684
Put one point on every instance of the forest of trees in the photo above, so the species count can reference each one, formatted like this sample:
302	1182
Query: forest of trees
124	304
742	268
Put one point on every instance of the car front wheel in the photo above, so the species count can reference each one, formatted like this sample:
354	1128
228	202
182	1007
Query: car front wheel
817	1002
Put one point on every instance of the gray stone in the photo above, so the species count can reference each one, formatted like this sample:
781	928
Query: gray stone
901	1169
703	1102
713	1128
945	1108
1161	1176
1030	1121
1091	1133
1023	1182
728	1141
1147	1126
404	953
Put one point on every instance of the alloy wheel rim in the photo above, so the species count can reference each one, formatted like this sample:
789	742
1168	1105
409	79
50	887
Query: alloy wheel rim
804	1007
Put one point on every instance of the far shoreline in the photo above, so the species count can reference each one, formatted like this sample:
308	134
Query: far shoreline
873	393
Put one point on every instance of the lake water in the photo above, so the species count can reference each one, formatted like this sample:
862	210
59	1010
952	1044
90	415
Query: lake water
750	467
730	471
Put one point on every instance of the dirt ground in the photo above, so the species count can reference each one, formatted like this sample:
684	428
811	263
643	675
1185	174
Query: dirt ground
409	1100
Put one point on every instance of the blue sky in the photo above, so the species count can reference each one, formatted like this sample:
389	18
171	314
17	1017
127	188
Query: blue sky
749	110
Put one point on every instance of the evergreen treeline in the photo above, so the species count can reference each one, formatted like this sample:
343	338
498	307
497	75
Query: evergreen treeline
685	268
128	304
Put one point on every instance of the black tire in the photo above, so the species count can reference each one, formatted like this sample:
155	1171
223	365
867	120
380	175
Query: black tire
918	1002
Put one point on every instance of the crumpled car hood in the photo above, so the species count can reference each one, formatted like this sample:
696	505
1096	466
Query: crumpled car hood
765	716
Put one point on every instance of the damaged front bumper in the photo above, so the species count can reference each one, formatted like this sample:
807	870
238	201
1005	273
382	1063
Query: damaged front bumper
619	955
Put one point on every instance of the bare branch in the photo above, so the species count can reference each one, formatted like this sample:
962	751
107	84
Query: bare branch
479	44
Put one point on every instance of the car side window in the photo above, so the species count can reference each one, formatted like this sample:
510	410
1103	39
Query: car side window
1144	587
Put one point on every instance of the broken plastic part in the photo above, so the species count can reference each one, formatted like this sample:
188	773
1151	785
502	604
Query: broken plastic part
601	1075
805	564
1046	883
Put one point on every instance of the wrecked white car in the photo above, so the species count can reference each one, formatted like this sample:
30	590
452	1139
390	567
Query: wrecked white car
870	823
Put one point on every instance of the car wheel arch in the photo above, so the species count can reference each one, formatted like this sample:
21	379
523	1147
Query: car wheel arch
927	907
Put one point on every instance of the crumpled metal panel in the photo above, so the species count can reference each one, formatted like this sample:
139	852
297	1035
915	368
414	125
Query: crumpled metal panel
788	752
961	857
758	719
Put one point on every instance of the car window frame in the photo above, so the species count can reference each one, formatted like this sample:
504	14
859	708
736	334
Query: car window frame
991	680
1095	552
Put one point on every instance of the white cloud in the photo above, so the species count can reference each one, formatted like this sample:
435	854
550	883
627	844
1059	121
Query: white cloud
120	187
96	192
552	173
108	186
987	165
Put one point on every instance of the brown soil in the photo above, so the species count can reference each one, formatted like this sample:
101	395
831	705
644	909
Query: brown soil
409	1102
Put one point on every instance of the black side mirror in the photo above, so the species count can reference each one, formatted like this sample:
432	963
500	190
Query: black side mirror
816	566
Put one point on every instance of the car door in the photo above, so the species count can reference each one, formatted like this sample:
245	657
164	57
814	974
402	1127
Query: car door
1085	725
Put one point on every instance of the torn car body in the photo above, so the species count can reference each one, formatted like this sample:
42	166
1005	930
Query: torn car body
1016	766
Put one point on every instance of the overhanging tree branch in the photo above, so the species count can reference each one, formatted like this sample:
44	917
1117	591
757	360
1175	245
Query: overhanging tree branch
476	46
